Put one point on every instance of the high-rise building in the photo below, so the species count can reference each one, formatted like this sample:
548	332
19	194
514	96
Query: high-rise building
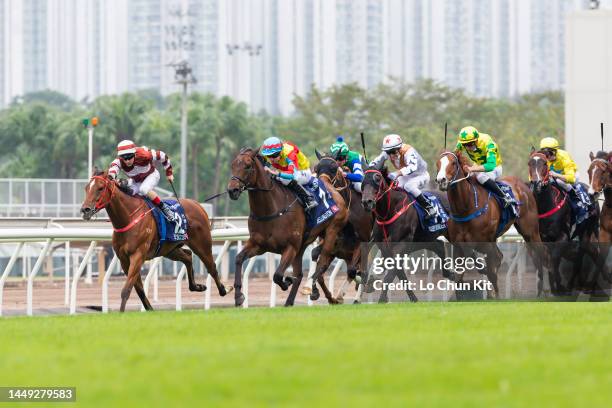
264	52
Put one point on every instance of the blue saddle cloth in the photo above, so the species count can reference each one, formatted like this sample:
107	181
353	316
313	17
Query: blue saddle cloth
434	224
169	231
580	208
509	213
326	206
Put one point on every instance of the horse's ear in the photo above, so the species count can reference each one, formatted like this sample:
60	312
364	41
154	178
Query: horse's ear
257	151
532	149
319	155
591	156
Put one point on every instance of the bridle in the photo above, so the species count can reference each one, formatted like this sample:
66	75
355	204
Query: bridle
381	185
110	187
542	179
244	185
604	168
457	168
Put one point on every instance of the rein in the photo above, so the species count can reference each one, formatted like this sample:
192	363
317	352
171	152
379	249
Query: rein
110	188
478	211
380	219
555	208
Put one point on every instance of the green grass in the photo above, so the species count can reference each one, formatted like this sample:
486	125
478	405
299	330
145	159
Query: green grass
443	354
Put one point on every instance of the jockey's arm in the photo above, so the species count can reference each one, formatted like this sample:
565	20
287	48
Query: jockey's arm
163	159
356	175
114	168
412	161
489	164
379	160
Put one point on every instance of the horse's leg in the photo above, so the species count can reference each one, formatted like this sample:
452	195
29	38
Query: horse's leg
328	295
402	277
248	251
389	278
205	254
135	263
287	258
496	256
184	256
296	265
141	293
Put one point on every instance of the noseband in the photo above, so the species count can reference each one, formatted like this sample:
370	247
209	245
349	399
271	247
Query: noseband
109	189
457	166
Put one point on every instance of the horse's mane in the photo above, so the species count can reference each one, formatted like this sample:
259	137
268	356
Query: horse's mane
463	159
252	152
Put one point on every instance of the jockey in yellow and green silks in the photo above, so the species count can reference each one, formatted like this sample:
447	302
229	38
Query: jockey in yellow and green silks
484	152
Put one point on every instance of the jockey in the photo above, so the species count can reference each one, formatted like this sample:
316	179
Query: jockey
482	150
289	166
349	162
562	169
138	163
411	170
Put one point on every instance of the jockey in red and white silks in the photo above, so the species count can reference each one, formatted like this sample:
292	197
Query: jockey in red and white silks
138	163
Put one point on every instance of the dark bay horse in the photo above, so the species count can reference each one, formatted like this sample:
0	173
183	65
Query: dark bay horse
277	224
396	221
600	179
357	230
135	236
555	223
478	222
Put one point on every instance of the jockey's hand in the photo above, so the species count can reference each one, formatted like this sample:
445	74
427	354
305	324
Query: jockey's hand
471	169
394	175
556	175
171	178
342	172
272	171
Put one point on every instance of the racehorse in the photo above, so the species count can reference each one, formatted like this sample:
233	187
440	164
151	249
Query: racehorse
600	178
555	222
135	237
397	221
357	230
476	215
278	224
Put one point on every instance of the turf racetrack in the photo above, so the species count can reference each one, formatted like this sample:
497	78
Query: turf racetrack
451	354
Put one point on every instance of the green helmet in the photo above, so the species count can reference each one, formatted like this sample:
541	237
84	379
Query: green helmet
339	149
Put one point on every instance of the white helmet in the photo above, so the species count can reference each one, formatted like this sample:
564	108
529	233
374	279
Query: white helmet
391	142
126	147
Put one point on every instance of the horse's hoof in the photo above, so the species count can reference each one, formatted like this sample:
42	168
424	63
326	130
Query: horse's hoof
383	299
239	299
333	301
340	300
356	302
307	291
227	290
358	279
197	288
315	294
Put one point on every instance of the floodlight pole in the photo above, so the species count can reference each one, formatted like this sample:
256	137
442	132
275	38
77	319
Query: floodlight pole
184	77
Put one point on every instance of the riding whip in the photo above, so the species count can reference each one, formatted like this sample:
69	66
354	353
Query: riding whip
365	155
602	145
173	189
445	133
212	197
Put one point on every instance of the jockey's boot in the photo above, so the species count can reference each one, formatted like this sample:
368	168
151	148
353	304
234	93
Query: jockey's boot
308	201
495	189
430	209
168	213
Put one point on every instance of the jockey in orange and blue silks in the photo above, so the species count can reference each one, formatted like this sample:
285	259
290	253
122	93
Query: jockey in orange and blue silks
138	163
288	165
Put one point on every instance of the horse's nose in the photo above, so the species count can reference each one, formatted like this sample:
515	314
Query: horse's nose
234	193
86	211
591	190
368	205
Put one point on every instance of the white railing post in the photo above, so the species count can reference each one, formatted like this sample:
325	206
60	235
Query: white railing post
77	275
270	267
218	259
33	273
245	281
153	268
67	274
107	275
179	292
7	270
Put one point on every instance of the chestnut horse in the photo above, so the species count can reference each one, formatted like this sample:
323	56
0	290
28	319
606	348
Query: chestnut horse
600	178
278	224
135	238
475	214
357	230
